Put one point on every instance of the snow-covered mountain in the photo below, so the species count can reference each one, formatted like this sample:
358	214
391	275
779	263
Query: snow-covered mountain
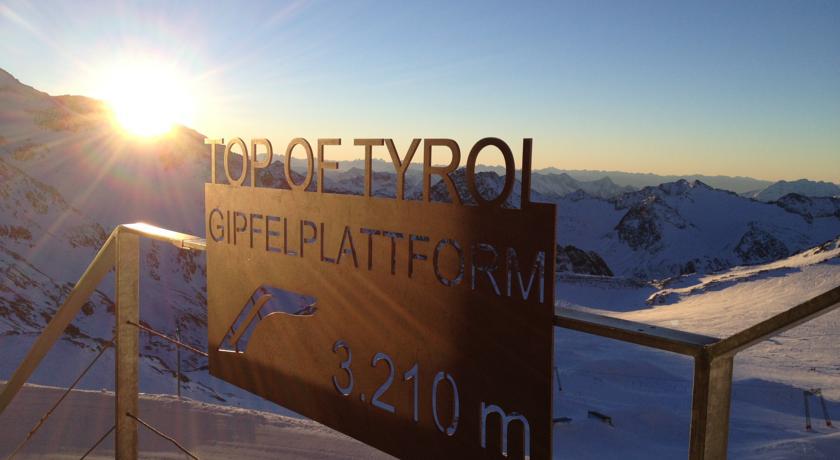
683	227
67	178
802	187
737	184
678	227
350	176
563	184
647	393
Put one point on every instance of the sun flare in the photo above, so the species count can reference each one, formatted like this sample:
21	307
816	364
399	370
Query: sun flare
148	99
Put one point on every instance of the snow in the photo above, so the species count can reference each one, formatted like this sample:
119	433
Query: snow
647	237
208	431
648	392
660	232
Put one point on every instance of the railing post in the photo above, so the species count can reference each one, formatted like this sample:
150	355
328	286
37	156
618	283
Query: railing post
127	346
178	356
711	397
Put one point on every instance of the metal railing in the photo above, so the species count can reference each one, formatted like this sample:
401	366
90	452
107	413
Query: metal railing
713	357
121	252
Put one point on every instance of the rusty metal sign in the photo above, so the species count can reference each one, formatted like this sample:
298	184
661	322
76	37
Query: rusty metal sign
421	328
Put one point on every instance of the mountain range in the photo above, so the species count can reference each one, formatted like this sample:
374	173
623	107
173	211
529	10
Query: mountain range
803	187
68	178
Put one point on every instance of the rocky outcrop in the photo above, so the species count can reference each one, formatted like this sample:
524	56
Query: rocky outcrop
760	246
575	260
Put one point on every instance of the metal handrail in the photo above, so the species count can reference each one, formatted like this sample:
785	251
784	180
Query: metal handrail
713	357
120	252
684	343
713	360
103	263
60	400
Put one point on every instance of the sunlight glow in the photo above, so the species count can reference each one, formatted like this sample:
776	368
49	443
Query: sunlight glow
148	98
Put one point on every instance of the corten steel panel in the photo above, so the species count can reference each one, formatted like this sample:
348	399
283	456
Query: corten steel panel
497	349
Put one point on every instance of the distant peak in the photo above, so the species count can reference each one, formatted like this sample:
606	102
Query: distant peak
9	80
6	77
678	187
700	184
604	180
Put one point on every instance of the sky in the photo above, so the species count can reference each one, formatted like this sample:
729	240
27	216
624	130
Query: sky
747	88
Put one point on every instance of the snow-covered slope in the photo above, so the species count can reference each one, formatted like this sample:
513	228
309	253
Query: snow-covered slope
208	431
648	393
724	303
67	178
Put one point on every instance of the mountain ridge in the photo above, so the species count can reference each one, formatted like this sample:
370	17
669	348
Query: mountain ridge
69	180
803	187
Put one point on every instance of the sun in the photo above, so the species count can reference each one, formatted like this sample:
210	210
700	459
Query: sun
148	98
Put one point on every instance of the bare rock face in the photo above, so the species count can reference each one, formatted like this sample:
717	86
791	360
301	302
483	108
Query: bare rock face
643	225
575	260
650	210
760	246
640	228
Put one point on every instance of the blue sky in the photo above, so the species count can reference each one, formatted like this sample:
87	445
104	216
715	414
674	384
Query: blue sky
733	88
